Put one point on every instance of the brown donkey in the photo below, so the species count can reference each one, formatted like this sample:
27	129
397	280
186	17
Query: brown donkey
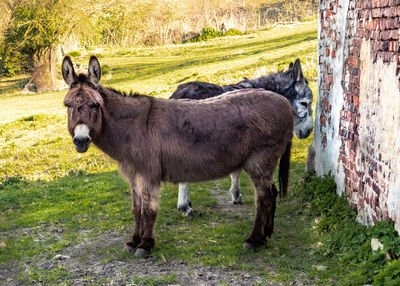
157	140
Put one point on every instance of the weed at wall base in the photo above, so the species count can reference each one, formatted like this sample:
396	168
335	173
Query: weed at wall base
346	245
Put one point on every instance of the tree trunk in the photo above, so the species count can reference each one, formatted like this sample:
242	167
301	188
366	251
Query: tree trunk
51	69
3	58
44	73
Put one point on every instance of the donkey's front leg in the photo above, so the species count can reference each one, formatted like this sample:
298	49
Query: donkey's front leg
237	197
149	191
136	210
184	203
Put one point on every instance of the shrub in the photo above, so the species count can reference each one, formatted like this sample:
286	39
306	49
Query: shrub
207	33
233	32
74	54
389	275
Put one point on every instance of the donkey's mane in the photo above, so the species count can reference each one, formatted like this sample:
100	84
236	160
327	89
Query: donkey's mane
124	94
83	78
280	82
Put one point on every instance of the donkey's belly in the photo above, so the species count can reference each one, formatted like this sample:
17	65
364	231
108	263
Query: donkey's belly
195	169
198	175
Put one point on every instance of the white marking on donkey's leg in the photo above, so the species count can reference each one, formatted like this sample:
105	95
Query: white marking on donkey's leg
237	197
184	203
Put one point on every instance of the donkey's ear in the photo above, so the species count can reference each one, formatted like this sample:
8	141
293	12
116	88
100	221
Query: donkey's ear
297	73
290	66
94	70
68	71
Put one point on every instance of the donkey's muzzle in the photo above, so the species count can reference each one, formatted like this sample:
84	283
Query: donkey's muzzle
81	143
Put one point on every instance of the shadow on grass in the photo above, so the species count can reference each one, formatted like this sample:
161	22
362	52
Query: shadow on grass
9	85
210	55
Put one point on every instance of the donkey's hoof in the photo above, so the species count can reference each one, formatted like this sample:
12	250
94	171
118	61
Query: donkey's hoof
249	246
129	248
142	253
238	200
188	213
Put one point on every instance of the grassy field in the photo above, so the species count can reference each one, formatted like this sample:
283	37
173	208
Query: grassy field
62	211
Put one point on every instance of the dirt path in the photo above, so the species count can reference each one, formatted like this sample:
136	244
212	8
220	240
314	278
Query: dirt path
87	267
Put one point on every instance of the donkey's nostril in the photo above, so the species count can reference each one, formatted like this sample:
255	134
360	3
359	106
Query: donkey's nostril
79	141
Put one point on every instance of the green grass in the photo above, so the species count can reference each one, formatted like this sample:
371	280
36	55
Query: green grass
52	198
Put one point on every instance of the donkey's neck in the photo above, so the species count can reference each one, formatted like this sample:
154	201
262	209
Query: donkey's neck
122	114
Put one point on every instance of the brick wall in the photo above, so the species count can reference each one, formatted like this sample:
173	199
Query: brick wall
357	129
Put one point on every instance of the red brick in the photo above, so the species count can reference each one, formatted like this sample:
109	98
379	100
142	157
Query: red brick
327	52
355	100
371	25
356	81
393	46
386	12
394	34
352	156
376	13
323	120
354	61
393	11
342	114
395	23
328	78
348	143
374	3
385	35
360	33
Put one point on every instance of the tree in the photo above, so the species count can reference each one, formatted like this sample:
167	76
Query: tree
34	30
7	7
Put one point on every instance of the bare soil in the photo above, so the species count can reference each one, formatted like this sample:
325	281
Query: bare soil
86	267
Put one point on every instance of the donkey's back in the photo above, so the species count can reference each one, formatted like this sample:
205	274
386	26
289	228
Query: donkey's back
209	139
197	90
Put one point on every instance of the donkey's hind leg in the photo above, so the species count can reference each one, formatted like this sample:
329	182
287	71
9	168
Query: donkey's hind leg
261	172
237	197
269	226
265	206
184	203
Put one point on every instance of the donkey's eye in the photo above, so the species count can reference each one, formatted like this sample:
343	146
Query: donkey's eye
94	105
305	104
68	105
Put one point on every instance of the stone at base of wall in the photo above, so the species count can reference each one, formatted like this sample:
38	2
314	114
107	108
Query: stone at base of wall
310	164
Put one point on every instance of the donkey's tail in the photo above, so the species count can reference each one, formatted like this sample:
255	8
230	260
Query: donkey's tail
284	167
